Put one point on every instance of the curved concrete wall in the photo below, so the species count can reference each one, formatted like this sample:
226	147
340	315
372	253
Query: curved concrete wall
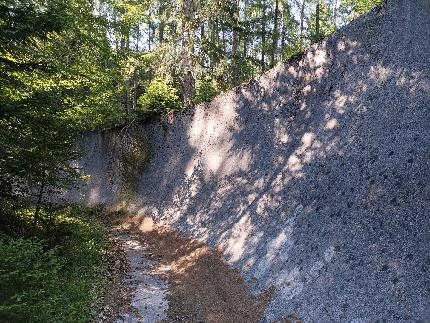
313	178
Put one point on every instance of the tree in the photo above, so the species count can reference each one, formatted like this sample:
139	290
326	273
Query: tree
70	65
52	79
35	140
187	50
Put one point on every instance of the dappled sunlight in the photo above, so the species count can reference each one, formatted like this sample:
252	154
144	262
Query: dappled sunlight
234	245
348	46
184	263
280	132
341	101
331	124
213	161
281	172
379	73
319	58
210	135
94	195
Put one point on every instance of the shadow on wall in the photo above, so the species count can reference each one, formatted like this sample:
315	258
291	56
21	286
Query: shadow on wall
110	164
312	178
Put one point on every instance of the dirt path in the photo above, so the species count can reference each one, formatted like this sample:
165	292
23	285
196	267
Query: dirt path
148	301
201	286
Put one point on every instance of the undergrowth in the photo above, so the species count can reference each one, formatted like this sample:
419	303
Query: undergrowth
52	272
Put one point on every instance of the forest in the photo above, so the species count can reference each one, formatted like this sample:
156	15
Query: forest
69	66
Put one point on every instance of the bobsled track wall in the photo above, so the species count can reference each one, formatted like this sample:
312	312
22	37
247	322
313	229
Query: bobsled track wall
313	178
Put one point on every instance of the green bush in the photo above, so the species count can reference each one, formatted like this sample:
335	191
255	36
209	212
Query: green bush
55	277
159	98
205	91
27	275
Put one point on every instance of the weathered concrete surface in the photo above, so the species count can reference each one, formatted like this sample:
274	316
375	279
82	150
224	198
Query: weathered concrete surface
312	178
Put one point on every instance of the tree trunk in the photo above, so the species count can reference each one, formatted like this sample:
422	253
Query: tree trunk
275	34
188	81
285	15
38	204
115	29
136	46
335	14
302	18
161	25
224	42
123	32
235	43
317	21
128	97
245	44
149	34
214	43
263	39
202	37
245	34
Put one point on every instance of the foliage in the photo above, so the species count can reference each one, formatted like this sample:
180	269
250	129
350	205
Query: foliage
159	98
355	8
56	275
206	90
54	83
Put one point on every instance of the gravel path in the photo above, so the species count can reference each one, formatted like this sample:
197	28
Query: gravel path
149	303
175	278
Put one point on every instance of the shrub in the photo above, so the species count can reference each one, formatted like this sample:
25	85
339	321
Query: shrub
55	277
206	90
159	98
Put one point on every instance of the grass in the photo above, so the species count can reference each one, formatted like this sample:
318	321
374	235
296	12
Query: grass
55	271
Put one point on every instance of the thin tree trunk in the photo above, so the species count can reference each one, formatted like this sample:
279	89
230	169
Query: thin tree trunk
202	36
284	17
38	204
302	18
188	82
245	44
235	43
161	25
127	94
224	42
275	34
214	43
161	33
123	34
134	97
317	21
263	39
335	14
115	29
245	33
149	35
136	46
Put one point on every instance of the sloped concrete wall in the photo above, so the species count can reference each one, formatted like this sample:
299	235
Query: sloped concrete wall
313	178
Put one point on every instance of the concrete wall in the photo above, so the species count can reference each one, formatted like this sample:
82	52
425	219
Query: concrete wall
313	178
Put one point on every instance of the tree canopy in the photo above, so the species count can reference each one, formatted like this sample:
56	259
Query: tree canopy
72	65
